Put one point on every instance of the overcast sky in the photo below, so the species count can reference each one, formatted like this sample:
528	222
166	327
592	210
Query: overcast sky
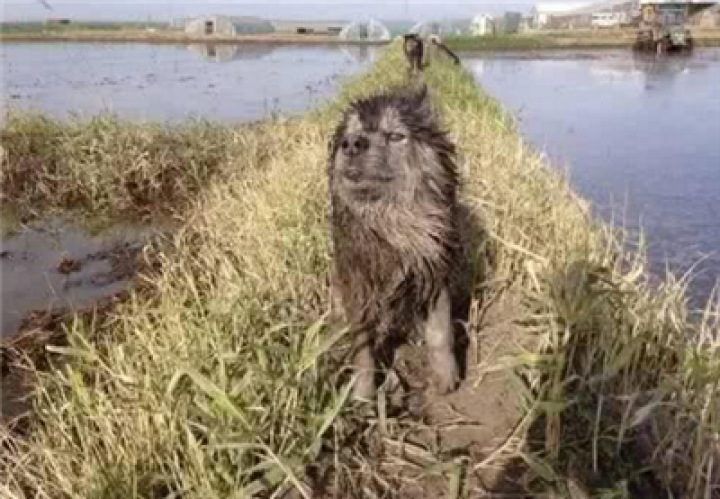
14	10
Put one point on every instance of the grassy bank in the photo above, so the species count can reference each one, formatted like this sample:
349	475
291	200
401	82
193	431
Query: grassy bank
534	42
216	381
540	40
566	39
115	169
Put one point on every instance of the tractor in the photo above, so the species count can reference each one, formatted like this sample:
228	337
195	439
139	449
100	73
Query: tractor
662	30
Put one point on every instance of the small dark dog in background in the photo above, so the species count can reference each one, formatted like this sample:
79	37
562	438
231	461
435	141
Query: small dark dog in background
414	49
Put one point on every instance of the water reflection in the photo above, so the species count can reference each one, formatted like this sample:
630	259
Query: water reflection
223	82
648	70
640	136
360	54
226	52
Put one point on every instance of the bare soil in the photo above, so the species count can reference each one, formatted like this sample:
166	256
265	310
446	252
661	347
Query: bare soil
474	426
422	445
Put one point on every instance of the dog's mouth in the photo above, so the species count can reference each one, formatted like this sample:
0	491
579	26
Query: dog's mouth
367	194
353	175
364	187
360	176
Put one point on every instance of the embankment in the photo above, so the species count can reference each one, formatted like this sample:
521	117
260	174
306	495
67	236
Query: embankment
173	37
107	168
221	378
568	39
535	40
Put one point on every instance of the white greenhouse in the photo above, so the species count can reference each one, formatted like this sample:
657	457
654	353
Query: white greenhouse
365	30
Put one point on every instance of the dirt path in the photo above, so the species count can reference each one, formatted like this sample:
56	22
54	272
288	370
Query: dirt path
468	433
423	446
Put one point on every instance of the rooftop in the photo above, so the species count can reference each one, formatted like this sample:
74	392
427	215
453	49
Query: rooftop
560	7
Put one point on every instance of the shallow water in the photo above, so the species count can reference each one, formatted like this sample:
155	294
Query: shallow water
34	277
173	82
639	136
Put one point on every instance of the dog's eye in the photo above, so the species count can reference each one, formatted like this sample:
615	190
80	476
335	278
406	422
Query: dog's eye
396	137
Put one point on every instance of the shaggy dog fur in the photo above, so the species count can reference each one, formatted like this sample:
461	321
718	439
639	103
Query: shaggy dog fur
395	224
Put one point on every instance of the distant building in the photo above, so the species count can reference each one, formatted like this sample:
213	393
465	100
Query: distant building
371	30
178	22
216	25
310	27
361	54
441	28
526	24
669	12
707	18
611	13
54	21
512	22
482	25
544	13
605	13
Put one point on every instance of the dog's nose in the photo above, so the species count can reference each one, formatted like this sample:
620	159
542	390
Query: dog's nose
355	145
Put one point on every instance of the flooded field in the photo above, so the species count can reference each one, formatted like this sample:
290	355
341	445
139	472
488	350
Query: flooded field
640	137
173	82
58	266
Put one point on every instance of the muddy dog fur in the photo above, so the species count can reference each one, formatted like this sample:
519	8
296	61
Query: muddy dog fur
397	232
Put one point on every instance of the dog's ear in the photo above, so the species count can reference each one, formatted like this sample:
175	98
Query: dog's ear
336	138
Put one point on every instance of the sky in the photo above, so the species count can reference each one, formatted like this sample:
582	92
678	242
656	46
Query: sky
163	10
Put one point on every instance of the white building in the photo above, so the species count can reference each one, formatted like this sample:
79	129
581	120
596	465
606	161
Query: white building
683	2
482	25
365	30
543	12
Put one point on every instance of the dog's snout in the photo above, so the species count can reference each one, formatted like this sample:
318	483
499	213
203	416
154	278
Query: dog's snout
355	145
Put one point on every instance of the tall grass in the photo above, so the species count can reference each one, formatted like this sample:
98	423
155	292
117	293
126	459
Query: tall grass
112	168
218	382
500	42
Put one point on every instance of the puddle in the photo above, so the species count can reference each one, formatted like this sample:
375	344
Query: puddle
60	266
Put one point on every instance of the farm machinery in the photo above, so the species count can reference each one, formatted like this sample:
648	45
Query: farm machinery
662	29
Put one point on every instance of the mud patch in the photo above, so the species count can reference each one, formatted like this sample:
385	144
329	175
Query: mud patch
464	435
61	267
48	274
420	445
38	331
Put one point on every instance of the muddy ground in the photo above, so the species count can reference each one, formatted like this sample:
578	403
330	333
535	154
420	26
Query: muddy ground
420	445
48	274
